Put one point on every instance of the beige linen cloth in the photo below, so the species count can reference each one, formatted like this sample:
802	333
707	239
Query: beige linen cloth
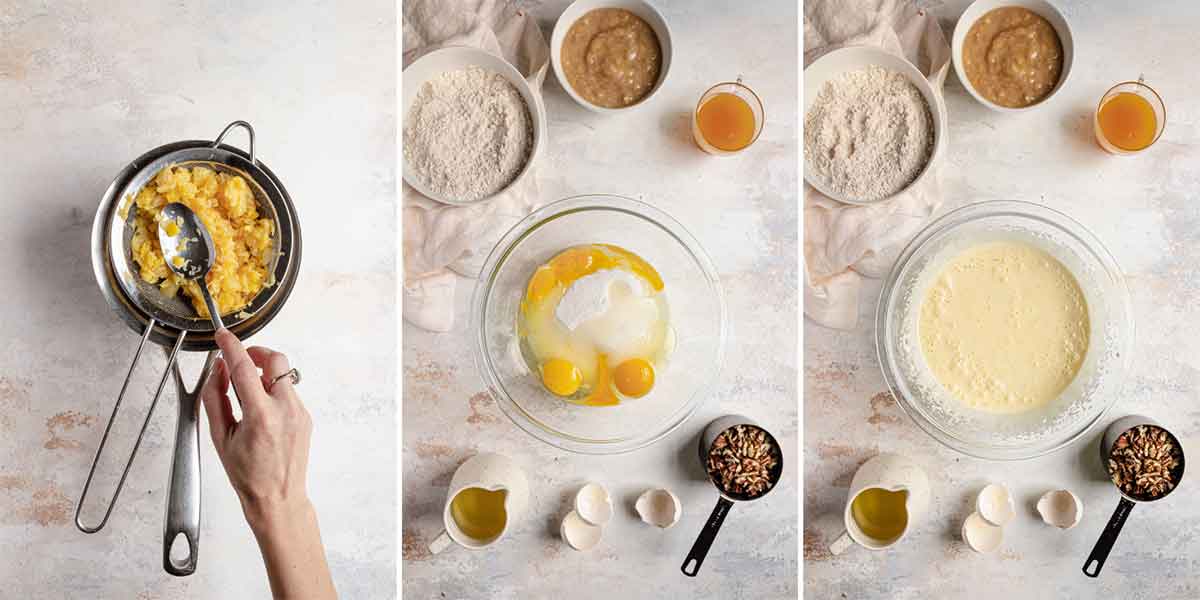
844	243
443	243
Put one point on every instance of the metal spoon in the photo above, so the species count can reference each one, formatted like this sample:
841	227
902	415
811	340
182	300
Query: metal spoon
189	252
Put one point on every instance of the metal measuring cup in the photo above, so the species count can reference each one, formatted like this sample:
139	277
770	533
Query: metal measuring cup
695	557
1108	537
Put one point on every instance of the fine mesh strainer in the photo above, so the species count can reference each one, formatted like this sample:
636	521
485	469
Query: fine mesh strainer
173	323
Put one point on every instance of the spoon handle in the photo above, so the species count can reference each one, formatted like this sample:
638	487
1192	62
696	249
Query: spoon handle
691	566
213	311
1108	537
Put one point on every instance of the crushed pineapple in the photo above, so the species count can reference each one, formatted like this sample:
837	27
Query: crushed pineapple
226	207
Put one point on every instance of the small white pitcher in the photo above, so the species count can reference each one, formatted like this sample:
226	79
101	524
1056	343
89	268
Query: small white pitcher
491	472
893	473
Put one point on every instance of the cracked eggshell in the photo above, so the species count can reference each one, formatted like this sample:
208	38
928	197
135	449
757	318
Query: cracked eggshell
980	535
995	505
1060	508
579	534
593	504
659	507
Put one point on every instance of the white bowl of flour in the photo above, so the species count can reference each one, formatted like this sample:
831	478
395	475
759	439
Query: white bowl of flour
869	134
471	125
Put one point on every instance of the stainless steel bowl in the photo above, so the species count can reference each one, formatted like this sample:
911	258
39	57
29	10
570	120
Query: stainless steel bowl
138	302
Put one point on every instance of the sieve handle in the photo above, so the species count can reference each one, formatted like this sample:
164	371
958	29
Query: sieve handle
87	485
183	495
249	132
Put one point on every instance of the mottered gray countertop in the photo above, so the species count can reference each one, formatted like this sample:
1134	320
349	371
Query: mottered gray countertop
744	211
86	87
1145	210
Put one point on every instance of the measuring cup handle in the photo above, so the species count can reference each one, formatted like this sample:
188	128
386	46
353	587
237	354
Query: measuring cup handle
440	543
841	544
691	565
1108	537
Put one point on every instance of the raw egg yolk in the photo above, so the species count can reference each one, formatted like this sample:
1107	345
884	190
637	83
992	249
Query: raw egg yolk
602	394
561	377
573	263
637	265
634	377
541	284
579	261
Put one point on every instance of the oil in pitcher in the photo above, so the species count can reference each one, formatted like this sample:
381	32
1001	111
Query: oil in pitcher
881	515
479	513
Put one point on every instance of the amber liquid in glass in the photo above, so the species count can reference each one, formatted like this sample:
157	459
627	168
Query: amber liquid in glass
727	122
1127	121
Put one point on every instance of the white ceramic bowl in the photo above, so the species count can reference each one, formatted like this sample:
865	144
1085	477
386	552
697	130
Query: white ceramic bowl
642	9
852	58
1046	10
458	57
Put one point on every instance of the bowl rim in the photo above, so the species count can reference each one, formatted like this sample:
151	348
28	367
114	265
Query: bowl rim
537	115
577	9
937	111
479	302
977	9
966	214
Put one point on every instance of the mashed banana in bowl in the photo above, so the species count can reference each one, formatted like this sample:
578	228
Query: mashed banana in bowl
241	238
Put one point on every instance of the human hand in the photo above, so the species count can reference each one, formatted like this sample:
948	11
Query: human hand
265	455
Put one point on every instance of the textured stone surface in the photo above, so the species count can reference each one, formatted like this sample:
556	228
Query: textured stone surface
1144	209
743	210
85	87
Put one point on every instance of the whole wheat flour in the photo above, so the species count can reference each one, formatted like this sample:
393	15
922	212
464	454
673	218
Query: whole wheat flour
468	134
868	134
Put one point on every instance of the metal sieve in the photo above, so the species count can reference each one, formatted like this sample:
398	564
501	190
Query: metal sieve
173	323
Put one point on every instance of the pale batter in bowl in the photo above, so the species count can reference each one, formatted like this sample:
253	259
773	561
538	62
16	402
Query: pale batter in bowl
1004	327
1017	286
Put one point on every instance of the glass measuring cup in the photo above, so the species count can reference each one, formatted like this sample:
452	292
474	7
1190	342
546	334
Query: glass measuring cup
718	122
1129	90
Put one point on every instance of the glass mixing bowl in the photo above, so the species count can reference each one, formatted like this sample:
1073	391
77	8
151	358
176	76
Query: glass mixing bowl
1005	437
695	303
